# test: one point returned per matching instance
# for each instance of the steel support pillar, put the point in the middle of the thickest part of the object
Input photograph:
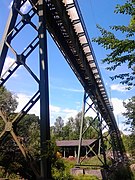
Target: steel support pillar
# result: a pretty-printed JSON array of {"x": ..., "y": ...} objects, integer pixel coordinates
[
  {"x": 81, "y": 129},
  {"x": 98, "y": 130},
  {"x": 14, "y": 26},
  {"x": 44, "y": 93},
  {"x": 101, "y": 139}
]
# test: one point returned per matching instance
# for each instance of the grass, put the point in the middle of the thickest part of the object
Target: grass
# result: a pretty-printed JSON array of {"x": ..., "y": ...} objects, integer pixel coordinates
[
  {"x": 85, "y": 177},
  {"x": 94, "y": 161},
  {"x": 64, "y": 173}
]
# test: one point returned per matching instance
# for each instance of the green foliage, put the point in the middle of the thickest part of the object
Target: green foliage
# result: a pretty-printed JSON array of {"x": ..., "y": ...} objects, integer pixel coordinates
[
  {"x": 127, "y": 8},
  {"x": 121, "y": 50},
  {"x": 71, "y": 130},
  {"x": 2, "y": 172},
  {"x": 61, "y": 170},
  {"x": 28, "y": 128},
  {"x": 58, "y": 127},
  {"x": 122, "y": 172},
  {"x": 92, "y": 127},
  {"x": 8, "y": 102},
  {"x": 8, "y": 105},
  {"x": 11, "y": 157},
  {"x": 130, "y": 113},
  {"x": 129, "y": 143}
]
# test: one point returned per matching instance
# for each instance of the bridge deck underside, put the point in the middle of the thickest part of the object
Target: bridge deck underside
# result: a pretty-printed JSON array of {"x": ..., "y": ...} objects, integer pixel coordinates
[
  {"x": 62, "y": 31},
  {"x": 71, "y": 38},
  {"x": 61, "y": 24}
]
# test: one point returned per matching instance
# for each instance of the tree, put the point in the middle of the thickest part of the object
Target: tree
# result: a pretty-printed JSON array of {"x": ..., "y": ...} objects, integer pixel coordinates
[
  {"x": 68, "y": 129},
  {"x": 76, "y": 124},
  {"x": 71, "y": 130},
  {"x": 130, "y": 113},
  {"x": 122, "y": 50},
  {"x": 89, "y": 124},
  {"x": 129, "y": 143},
  {"x": 8, "y": 105},
  {"x": 27, "y": 132},
  {"x": 59, "y": 124},
  {"x": 92, "y": 128},
  {"x": 8, "y": 102},
  {"x": 28, "y": 129}
]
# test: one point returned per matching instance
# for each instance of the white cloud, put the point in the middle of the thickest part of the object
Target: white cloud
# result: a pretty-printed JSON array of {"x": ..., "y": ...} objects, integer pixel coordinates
[
  {"x": 71, "y": 111},
  {"x": 24, "y": 8},
  {"x": 66, "y": 113},
  {"x": 72, "y": 90},
  {"x": 8, "y": 62},
  {"x": 124, "y": 128},
  {"x": 69, "y": 89},
  {"x": 118, "y": 106},
  {"x": 55, "y": 111},
  {"x": 22, "y": 101},
  {"x": 118, "y": 87}
]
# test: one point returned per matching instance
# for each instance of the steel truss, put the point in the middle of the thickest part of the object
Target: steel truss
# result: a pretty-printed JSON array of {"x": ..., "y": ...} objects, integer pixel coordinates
[
  {"x": 56, "y": 16},
  {"x": 98, "y": 124},
  {"x": 16, "y": 23}
]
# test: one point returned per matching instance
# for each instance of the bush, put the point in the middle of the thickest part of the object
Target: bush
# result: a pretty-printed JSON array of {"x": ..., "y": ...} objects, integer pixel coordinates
[
  {"x": 61, "y": 170},
  {"x": 121, "y": 172}
]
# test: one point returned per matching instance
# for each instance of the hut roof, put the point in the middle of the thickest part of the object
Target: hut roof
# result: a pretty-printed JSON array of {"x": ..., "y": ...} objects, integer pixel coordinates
[{"x": 65, "y": 143}]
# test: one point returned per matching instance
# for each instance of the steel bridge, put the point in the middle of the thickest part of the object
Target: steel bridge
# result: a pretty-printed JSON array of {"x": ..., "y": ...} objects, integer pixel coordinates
[{"x": 63, "y": 20}]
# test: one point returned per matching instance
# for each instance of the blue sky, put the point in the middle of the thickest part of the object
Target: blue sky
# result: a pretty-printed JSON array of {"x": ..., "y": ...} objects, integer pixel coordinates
[{"x": 66, "y": 92}]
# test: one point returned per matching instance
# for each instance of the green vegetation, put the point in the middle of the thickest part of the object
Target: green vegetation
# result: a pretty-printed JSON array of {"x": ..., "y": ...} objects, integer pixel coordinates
[
  {"x": 85, "y": 177},
  {"x": 129, "y": 143},
  {"x": 8, "y": 102},
  {"x": 28, "y": 133},
  {"x": 63, "y": 173},
  {"x": 121, "y": 172},
  {"x": 71, "y": 129},
  {"x": 121, "y": 45},
  {"x": 130, "y": 113},
  {"x": 12, "y": 162},
  {"x": 94, "y": 161},
  {"x": 61, "y": 170}
]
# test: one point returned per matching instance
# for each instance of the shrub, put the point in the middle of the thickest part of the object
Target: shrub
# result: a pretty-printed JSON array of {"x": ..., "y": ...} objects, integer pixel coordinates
[
  {"x": 121, "y": 172},
  {"x": 61, "y": 170}
]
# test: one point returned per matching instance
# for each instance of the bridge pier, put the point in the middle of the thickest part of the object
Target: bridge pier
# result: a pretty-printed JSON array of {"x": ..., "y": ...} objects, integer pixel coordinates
[{"x": 44, "y": 92}]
